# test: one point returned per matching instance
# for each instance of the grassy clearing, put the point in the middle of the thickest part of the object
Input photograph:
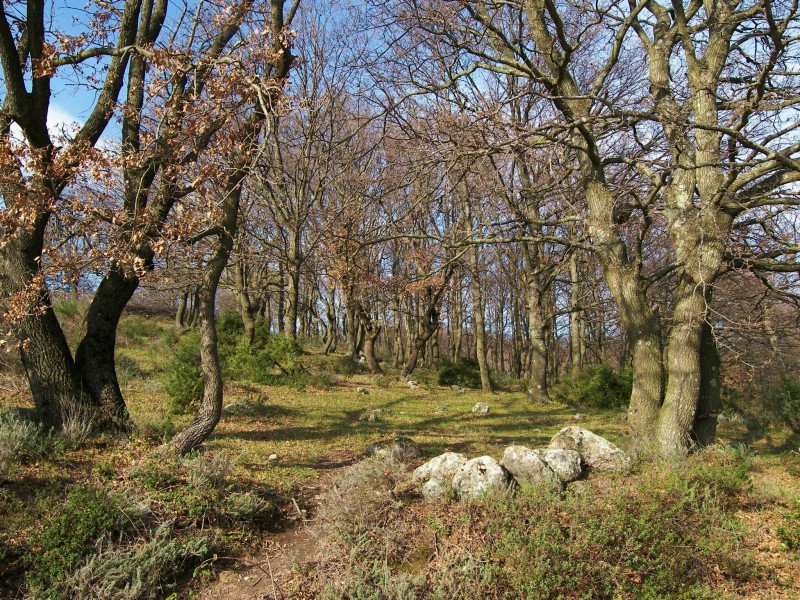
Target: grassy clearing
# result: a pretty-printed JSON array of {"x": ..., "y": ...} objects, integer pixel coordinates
[{"x": 725, "y": 523}]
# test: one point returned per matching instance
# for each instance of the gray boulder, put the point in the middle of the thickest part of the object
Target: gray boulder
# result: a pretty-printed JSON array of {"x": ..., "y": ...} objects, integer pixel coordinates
[
  {"x": 481, "y": 408},
  {"x": 527, "y": 467},
  {"x": 435, "y": 477},
  {"x": 401, "y": 449},
  {"x": 565, "y": 463},
  {"x": 479, "y": 476},
  {"x": 596, "y": 452}
]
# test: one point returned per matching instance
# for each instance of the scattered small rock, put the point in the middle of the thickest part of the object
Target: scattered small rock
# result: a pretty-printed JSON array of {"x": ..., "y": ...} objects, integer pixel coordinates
[
  {"x": 481, "y": 408},
  {"x": 272, "y": 458},
  {"x": 372, "y": 415},
  {"x": 238, "y": 408},
  {"x": 578, "y": 417},
  {"x": 580, "y": 488},
  {"x": 479, "y": 476},
  {"x": 400, "y": 448},
  {"x": 362, "y": 390},
  {"x": 458, "y": 389},
  {"x": 596, "y": 452},
  {"x": 412, "y": 384}
]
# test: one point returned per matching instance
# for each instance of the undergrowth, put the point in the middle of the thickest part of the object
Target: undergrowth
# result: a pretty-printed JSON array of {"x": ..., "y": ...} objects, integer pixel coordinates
[{"x": 666, "y": 534}]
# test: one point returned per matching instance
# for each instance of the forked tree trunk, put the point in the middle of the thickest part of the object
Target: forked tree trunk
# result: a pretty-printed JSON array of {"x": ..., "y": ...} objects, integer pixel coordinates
[
  {"x": 330, "y": 316},
  {"x": 371, "y": 332},
  {"x": 429, "y": 323}
]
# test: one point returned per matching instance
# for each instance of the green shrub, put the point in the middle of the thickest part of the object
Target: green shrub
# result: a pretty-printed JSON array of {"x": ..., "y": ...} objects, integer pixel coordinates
[
  {"x": 127, "y": 366},
  {"x": 788, "y": 394},
  {"x": 88, "y": 518},
  {"x": 464, "y": 372},
  {"x": 159, "y": 471},
  {"x": 183, "y": 377},
  {"x": 138, "y": 329},
  {"x": 67, "y": 308},
  {"x": 158, "y": 427},
  {"x": 348, "y": 365},
  {"x": 147, "y": 570},
  {"x": 260, "y": 362},
  {"x": 596, "y": 386},
  {"x": 21, "y": 441},
  {"x": 789, "y": 532}
]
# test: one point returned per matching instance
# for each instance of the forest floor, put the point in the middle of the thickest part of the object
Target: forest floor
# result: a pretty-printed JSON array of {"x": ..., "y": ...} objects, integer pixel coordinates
[{"x": 319, "y": 432}]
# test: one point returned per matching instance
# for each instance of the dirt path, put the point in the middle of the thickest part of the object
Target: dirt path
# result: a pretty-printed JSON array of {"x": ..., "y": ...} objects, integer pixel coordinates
[{"x": 268, "y": 574}]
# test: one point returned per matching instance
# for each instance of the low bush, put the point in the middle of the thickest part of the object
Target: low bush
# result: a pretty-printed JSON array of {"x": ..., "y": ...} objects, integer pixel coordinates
[
  {"x": 87, "y": 518},
  {"x": 348, "y": 364},
  {"x": 788, "y": 400},
  {"x": 138, "y": 329},
  {"x": 464, "y": 372},
  {"x": 595, "y": 386},
  {"x": 157, "y": 427},
  {"x": 788, "y": 532},
  {"x": 668, "y": 535},
  {"x": 183, "y": 377},
  {"x": 22, "y": 441},
  {"x": 146, "y": 570}
]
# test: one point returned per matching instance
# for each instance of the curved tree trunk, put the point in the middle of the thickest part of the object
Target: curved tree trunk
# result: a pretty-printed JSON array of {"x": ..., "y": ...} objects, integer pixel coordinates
[
  {"x": 211, "y": 405},
  {"x": 640, "y": 322}
]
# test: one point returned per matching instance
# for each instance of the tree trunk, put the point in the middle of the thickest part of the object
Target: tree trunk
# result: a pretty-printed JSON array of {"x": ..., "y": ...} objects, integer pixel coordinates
[
  {"x": 478, "y": 321},
  {"x": 53, "y": 378},
  {"x": 537, "y": 376},
  {"x": 704, "y": 428},
  {"x": 96, "y": 351},
  {"x": 330, "y": 315},
  {"x": 293, "y": 266},
  {"x": 575, "y": 321},
  {"x": 281, "y": 297},
  {"x": 371, "y": 330},
  {"x": 429, "y": 323},
  {"x": 180, "y": 314},
  {"x": 640, "y": 321},
  {"x": 211, "y": 404},
  {"x": 398, "y": 356},
  {"x": 247, "y": 310},
  {"x": 458, "y": 322}
]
